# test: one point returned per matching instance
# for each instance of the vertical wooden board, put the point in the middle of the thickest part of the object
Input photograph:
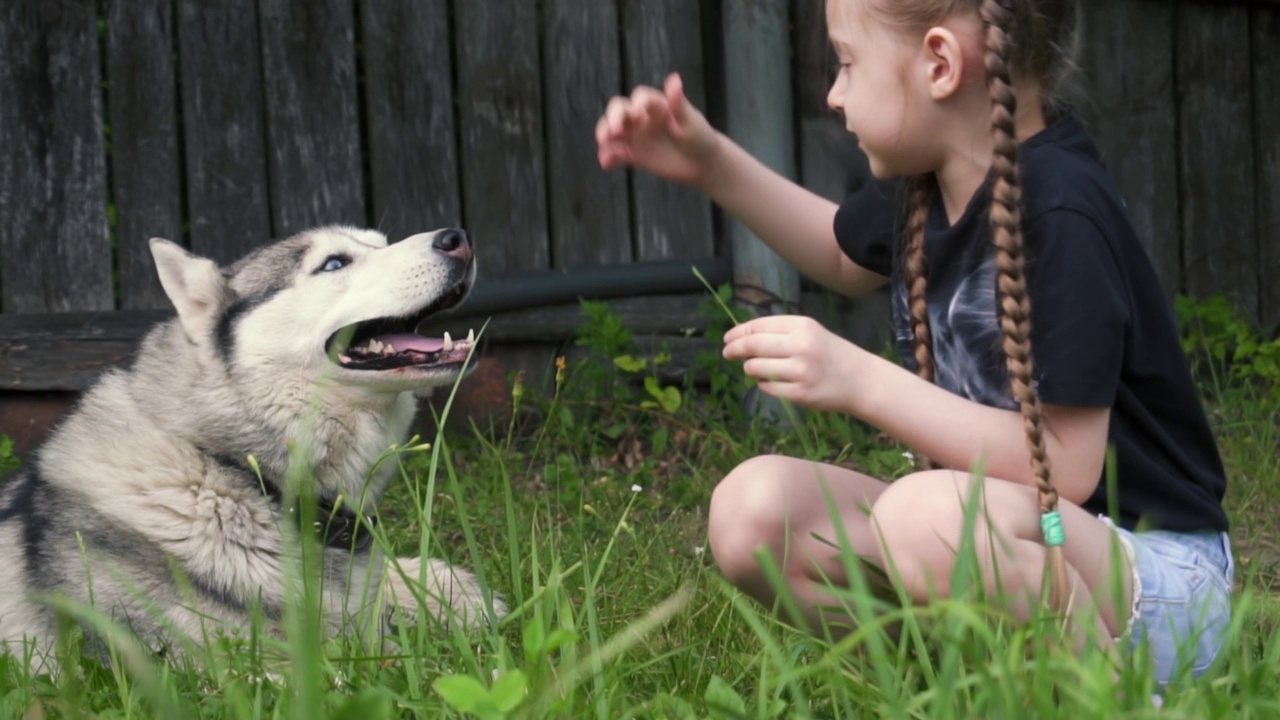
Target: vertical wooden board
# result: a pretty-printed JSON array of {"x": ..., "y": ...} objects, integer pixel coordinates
[
  {"x": 1217, "y": 165},
  {"x": 146, "y": 184},
  {"x": 661, "y": 37},
  {"x": 54, "y": 245},
  {"x": 408, "y": 79},
  {"x": 500, "y": 119},
  {"x": 313, "y": 122},
  {"x": 1266, "y": 137},
  {"x": 590, "y": 217},
  {"x": 830, "y": 163},
  {"x": 222, "y": 126},
  {"x": 760, "y": 111},
  {"x": 1128, "y": 63}
]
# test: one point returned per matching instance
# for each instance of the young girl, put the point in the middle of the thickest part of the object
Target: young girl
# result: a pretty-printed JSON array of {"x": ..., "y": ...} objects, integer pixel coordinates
[{"x": 1034, "y": 330}]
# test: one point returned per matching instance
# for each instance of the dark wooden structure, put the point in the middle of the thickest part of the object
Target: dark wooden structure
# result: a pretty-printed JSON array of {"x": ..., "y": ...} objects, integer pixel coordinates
[{"x": 223, "y": 123}]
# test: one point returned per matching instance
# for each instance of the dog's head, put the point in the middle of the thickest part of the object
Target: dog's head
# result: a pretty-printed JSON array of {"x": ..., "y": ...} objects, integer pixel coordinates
[{"x": 331, "y": 303}]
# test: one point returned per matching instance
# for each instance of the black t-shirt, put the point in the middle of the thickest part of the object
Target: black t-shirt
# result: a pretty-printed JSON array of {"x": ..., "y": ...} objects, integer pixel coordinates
[{"x": 1103, "y": 334}]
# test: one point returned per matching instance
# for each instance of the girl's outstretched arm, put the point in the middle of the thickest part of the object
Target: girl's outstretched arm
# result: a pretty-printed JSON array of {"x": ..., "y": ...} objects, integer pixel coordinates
[{"x": 661, "y": 132}]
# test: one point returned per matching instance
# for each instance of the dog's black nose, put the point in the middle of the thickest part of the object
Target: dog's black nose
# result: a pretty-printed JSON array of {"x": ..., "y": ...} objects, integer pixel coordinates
[{"x": 450, "y": 240}]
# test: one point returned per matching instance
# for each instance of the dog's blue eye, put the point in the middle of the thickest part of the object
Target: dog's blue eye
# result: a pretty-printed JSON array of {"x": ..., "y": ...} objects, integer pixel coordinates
[{"x": 335, "y": 262}]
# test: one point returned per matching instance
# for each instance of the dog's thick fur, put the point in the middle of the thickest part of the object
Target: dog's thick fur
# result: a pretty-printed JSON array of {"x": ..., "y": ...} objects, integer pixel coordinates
[{"x": 145, "y": 499}]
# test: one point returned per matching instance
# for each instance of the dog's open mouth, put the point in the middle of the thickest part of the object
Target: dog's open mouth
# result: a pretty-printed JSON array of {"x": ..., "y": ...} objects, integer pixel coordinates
[{"x": 392, "y": 343}]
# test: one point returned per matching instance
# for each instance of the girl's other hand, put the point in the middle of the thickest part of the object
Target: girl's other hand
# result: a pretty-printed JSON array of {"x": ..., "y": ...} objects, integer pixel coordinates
[
  {"x": 659, "y": 132},
  {"x": 798, "y": 360}
]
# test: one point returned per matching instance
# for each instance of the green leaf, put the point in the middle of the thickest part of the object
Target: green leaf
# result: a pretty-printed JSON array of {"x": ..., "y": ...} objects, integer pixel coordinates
[
  {"x": 462, "y": 692},
  {"x": 368, "y": 704},
  {"x": 558, "y": 639},
  {"x": 671, "y": 399},
  {"x": 660, "y": 438},
  {"x": 534, "y": 639},
  {"x": 627, "y": 363},
  {"x": 652, "y": 386},
  {"x": 723, "y": 700},
  {"x": 508, "y": 690}
]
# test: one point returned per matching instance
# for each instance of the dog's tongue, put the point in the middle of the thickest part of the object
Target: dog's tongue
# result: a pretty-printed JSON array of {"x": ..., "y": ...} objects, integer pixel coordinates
[{"x": 416, "y": 343}]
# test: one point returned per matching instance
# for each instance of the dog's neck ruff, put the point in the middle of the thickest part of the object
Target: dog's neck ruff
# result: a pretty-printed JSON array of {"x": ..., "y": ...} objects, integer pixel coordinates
[{"x": 337, "y": 525}]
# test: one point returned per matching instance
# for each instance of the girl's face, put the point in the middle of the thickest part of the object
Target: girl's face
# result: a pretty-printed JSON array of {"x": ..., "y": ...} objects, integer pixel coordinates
[
  {"x": 892, "y": 87},
  {"x": 872, "y": 89}
]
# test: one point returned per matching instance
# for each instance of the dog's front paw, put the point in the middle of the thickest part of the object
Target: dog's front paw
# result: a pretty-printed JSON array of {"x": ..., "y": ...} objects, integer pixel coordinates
[{"x": 451, "y": 594}]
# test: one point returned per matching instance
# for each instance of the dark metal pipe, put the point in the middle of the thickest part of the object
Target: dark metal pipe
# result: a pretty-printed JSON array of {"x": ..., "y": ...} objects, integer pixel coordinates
[{"x": 557, "y": 287}]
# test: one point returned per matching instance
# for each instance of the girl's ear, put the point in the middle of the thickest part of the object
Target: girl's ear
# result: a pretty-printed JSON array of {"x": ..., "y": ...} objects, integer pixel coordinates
[{"x": 944, "y": 62}]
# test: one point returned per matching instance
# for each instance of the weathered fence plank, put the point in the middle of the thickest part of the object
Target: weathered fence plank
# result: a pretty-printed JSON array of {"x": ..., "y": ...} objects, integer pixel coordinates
[
  {"x": 590, "y": 217},
  {"x": 660, "y": 37},
  {"x": 1216, "y": 145},
  {"x": 313, "y": 125},
  {"x": 223, "y": 132},
  {"x": 1266, "y": 138},
  {"x": 53, "y": 184},
  {"x": 146, "y": 169},
  {"x": 67, "y": 351},
  {"x": 830, "y": 163},
  {"x": 1132, "y": 107},
  {"x": 758, "y": 99},
  {"x": 500, "y": 119},
  {"x": 408, "y": 101}
]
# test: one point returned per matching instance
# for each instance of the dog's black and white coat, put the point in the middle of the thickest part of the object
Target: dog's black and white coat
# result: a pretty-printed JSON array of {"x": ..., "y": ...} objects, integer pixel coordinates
[{"x": 162, "y": 497}]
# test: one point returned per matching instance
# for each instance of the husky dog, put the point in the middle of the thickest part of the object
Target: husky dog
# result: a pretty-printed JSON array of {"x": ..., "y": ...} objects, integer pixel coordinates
[{"x": 167, "y": 498}]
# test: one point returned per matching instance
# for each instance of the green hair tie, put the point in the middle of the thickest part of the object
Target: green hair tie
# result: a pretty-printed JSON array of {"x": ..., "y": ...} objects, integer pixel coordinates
[{"x": 1051, "y": 526}]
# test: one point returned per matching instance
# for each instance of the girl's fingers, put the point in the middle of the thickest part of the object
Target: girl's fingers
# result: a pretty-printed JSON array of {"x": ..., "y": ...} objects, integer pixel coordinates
[
  {"x": 616, "y": 116},
  {"x": 761, "y": 325},
  {"x": 771, "y": 370},
  {"x": 673, "y": 91},
  {"x": 759, "y": 345}
]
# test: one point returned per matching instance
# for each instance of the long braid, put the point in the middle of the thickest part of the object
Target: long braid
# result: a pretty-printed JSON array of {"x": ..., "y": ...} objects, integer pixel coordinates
[
  {"x": 915, "y": 277},
  {"x": 1015, "y": 306},
  {"x": 915, "y": 274}
]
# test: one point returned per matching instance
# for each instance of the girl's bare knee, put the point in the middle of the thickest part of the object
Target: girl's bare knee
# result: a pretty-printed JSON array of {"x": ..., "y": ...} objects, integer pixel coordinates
[
  {"x": 918, "y": 521},
  {"x": 747, "y": 512}
]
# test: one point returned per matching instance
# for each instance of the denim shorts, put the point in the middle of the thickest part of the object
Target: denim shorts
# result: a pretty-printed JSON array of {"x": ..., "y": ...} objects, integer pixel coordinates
[{"x": 1181, "y": 597}]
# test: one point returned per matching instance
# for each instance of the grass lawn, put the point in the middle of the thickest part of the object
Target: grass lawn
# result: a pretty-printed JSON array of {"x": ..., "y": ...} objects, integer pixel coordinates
[{"x": 589, "y": 517}]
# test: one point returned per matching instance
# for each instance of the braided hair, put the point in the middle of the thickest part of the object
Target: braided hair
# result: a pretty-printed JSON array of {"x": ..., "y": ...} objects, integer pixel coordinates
[{"x": 1035, "y": 39}]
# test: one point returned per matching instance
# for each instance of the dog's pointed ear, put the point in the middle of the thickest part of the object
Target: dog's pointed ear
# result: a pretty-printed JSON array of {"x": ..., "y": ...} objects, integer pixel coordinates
[{"x": 194, "y": 285}]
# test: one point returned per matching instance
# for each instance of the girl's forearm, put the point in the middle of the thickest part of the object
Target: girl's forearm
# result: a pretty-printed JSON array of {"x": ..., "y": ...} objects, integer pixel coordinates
[
  {"x": 959, "y": 433},
  {"x": 792, "y": 220}
]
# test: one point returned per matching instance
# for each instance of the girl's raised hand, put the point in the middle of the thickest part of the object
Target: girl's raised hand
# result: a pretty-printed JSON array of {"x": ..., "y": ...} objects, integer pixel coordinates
[
  {"x": 659, "y": 132},
  {"x": 798, "y": 360}
]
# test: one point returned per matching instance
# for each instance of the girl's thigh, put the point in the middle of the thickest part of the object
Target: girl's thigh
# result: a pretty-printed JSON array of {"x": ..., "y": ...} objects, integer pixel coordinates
[
  {"x": 798, "y": 509},
  {"x": 931, "y": 507}
]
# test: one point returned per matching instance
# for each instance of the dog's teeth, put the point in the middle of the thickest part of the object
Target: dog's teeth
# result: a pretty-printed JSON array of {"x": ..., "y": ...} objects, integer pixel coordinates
[
  {"x": 388, "y": 349},
  {"x": 471, "y": 336},
  {"x": 448, "y": 342}
]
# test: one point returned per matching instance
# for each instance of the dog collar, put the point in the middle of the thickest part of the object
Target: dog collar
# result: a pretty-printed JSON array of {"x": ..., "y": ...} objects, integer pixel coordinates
[{"x": 337, "y": 525}]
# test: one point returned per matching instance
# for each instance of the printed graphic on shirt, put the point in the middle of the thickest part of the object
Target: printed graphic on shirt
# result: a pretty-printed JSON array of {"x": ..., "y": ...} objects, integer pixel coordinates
[{"x": 968, "y": 358}]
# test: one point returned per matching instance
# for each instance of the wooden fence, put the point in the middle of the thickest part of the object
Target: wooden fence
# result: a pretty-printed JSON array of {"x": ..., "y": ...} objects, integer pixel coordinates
[{"x": 222, "y": 123}]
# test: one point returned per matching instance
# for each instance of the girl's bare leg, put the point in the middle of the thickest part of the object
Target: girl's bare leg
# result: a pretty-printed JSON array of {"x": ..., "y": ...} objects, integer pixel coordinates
[{"x": 917, "y": 522}]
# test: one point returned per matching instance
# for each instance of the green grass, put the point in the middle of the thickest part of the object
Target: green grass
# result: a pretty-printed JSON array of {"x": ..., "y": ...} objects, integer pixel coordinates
[{"x": 589, "y": 517}]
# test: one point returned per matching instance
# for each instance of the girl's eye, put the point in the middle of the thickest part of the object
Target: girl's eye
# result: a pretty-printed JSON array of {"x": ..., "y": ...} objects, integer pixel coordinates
[{"x": 334, "y": 263}]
